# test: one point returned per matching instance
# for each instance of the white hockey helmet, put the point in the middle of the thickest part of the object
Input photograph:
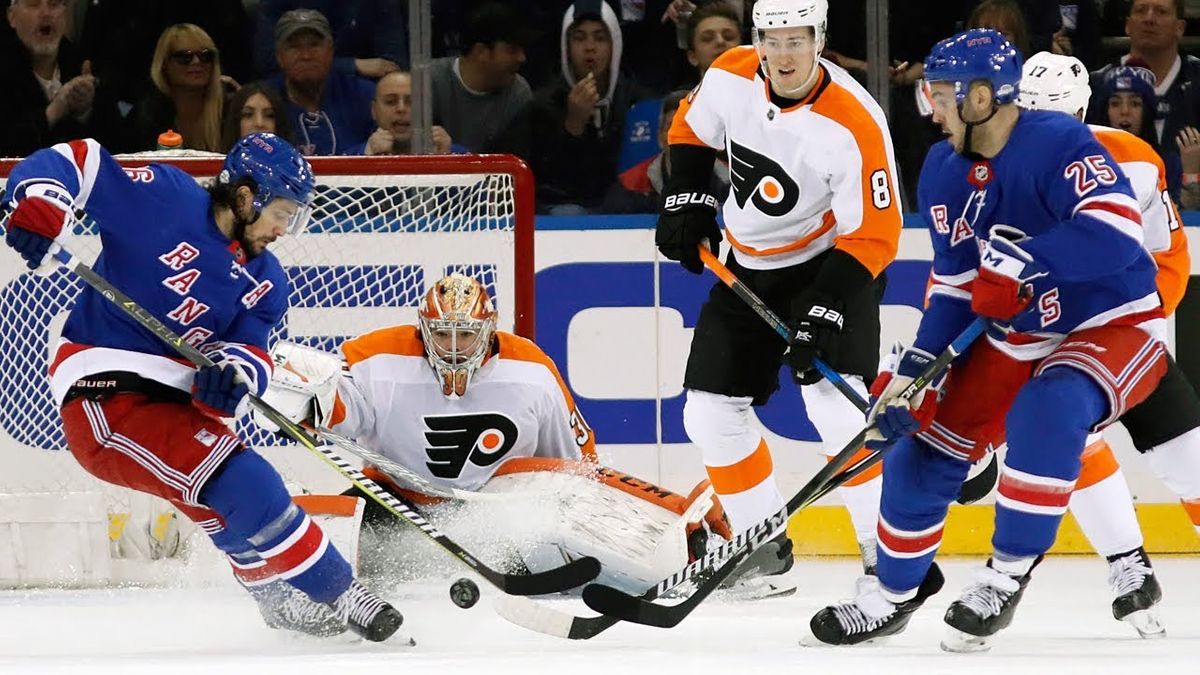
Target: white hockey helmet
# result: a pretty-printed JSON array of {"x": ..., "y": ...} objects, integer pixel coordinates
[
  {"x": 457, "y": 321},
  {"x": 1054, "y": 82},
  {"x": 769, "y": 14}
]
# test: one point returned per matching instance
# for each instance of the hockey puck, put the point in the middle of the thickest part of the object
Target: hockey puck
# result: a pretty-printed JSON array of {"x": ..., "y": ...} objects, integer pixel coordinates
[{"x": 464, "y": 593}]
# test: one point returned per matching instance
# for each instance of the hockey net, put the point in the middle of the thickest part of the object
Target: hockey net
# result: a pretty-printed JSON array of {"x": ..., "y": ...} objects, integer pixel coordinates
[{"x": 382, "y": 229}]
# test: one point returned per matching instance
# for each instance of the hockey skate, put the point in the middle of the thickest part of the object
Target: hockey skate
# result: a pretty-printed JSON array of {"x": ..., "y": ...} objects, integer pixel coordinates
[
  {"x": 758, "y": 577},
  {"x": 368, "y": 615},
  {"x": 285, "y": 607},
  {"x": 1137, "y": 592},
  {"x": 985, "y": 608},
  {"x": 870, "y": 617}
]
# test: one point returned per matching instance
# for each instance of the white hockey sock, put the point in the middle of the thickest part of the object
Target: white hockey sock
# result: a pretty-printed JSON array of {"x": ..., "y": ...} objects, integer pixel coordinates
[
  {"x": 1105, "y": 513},
  {"x": 862, "y": 501},
  {"x": 1177, "y": 463}
]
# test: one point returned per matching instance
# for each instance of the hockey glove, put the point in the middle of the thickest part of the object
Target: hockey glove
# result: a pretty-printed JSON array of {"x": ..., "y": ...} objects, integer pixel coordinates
[
  {"x": 219, "y": 389},
  {"x": 34, "y": 225},
  {"x": 815, "y": 334},
  {"x": 893, "y": 416},
  {"x": 686, "y": 219},
  {"x": 1003, "y": 289}
]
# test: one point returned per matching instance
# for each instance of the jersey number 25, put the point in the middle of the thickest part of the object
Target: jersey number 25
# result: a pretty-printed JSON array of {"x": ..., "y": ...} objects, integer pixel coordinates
[{"x": 1089, "y": 173}]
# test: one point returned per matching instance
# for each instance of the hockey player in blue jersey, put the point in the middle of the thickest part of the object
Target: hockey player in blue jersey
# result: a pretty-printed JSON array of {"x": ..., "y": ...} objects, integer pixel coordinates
[
  {"x": 1034, "y": 227},
  {"x": 136, "y": 415}
]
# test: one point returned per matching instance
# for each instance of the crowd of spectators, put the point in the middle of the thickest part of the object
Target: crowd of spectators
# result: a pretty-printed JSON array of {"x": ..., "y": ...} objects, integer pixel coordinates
[{"x": 583, "y": 90}]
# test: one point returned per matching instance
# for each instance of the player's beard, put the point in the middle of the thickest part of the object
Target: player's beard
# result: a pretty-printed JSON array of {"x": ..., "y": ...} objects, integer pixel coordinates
[{"x": 240, "y": 224}]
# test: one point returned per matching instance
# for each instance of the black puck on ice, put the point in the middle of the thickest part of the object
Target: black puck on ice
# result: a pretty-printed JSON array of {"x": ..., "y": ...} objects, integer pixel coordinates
[{"x": 464, "y": 593}]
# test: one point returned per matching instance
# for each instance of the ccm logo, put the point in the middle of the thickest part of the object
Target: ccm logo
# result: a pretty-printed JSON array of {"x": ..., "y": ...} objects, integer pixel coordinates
[
  {"x": 819, "y": 312},
  {"x": 678, "y": 201}
]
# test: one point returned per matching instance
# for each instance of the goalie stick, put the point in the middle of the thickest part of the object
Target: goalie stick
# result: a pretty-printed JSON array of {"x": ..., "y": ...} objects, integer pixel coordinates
[
  {"x": 617, "y": 604},
  {"x": 573, "y": 574}
]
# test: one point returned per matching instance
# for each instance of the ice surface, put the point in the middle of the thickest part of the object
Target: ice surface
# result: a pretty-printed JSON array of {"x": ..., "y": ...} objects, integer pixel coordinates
[{"x": 1063, "y": 626}]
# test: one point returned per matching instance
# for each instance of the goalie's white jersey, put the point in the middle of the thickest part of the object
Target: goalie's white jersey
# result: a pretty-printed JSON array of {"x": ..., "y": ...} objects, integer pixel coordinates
[
  {"x": 816, "y": 175},
  {"x": 516, "y": 406}
]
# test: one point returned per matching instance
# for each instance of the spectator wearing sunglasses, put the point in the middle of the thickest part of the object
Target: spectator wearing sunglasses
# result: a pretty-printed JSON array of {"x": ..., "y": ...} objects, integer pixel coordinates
[
  {"x": 48, "y": 90},
  {"x": 188, "y": 92},
  {"x": 329, "y": 110}
]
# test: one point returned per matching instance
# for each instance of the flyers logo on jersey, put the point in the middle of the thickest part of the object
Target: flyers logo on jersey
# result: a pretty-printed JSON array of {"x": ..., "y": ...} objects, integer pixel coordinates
[
  {"x": 479, "y": 438},
  {"x": 762, "y": 181}
]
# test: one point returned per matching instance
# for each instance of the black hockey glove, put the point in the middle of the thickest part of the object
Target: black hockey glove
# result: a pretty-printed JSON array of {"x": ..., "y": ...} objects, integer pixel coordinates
[
  {"x": 689, "y": 212},
  {"x": 814, "y": 335},
  {"x": 686, "y": 219}
]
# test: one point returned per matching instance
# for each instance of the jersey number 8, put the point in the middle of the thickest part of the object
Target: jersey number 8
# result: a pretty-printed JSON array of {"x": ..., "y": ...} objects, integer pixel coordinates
[{"x": 881, "y": 189}]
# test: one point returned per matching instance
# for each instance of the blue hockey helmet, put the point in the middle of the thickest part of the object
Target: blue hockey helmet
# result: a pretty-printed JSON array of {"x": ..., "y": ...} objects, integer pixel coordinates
[
  {"x": 277, "y": 169},
  {"x": 979, "y": 54}
]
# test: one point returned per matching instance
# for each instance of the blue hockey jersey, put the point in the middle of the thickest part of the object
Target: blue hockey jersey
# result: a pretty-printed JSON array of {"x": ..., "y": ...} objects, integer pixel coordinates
[
  {"x": 161, "y": 247},
  {"x": 1054, "y": 182}
]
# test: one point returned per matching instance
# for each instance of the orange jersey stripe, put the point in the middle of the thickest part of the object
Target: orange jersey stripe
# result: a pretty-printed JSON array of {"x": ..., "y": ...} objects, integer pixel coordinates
[
  {"x": 743, "y": 474},
  {"x": 827, "y": 223},
  {"x": 518, "y": 348},
  {"x": 875, "y": 242},
  {"x": 1192, "y": 507},
  {"x": 741, "y": 61}
]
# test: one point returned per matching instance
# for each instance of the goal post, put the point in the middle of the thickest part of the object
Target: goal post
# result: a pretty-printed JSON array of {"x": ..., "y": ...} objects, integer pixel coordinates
[{"x": 383, "y": 229}]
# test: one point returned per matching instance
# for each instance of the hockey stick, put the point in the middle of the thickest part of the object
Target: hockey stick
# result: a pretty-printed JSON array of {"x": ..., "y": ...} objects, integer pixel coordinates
[
  {"x": 615, "y": 603},
  {"x": 743, "y": 291},
  {"x": 573, "y": 574}
]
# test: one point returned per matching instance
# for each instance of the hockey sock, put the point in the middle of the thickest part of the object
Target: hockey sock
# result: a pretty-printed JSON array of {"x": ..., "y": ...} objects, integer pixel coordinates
[
  {"x": 861, "y": 497},
  {"x": 1102, "y": 504},
  {"x": 1046, "y": 427},
  {"x": 919, "y": 482},
  {"x": 249, "y": 495},
  {"x": 736, "y": 457},
  {"x": 1177, "y": 464}
]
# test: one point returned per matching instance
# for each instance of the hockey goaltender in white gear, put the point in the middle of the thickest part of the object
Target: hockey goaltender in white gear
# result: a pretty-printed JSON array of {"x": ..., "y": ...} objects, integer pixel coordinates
[{"x": 468, "y": 407}]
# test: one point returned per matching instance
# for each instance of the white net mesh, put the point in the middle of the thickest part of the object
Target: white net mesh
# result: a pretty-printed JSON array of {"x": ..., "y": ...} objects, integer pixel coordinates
[{"x": 381, "y": 230}]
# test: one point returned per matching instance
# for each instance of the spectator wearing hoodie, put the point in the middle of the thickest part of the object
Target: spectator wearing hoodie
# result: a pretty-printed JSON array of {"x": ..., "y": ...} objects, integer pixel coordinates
[{"x": 578, "y": 120}]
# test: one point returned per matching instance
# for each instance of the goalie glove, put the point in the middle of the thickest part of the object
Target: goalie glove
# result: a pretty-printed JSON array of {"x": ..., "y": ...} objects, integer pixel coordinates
[{"x": 303, "y": 386}]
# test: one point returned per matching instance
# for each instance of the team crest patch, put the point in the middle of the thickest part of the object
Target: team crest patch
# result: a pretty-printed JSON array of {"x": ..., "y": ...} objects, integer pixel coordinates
[
  {"x": 206, "y": 438},
  {"x": 760, "y": 180}
]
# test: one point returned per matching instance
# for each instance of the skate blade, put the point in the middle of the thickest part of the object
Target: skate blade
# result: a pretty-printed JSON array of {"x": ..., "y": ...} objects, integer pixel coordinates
[
  {"x": 756, "y": 589},
  {"x": 1146, "y": 623},
  {"x": 958, "y": 642},
  {"x": 810, "y": 641}
]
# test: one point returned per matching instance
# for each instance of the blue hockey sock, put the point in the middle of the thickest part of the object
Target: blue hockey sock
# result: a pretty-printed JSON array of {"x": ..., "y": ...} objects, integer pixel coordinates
[{"x": 249, "y": 495}]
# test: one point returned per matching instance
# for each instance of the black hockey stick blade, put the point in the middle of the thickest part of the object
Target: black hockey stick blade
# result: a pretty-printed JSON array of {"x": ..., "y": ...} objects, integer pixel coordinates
[
  {"x": 571, "y": 575},
  {"x": 980, "y": 485}
]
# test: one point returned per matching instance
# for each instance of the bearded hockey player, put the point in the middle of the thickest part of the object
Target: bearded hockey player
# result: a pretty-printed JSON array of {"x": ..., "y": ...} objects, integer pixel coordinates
[
  {"x": 137, "y": 416},
  {"x": 469, "y": 407},
  {"x": 813, "y": 219},
  {"x": 1035, "y": 227}
]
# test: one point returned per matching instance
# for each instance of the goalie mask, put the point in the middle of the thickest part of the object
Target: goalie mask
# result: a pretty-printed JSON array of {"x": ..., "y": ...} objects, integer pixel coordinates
[{"x": 457, "y": 322}]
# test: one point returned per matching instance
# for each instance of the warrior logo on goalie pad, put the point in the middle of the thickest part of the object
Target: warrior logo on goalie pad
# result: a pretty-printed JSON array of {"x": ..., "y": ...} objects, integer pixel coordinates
[{"x": 480, "y": 438}]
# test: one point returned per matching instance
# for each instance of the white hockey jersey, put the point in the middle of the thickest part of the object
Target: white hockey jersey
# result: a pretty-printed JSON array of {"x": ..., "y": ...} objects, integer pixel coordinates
[
  {"x": 517, "y": 405},
  {"x": 815, "y": 175},
  {"x": 1162, "y": 229}
]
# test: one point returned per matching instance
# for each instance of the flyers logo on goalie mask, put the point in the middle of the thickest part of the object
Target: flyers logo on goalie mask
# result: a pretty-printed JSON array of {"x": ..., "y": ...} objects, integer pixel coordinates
[
  {"x": 479, "y": 438},
  {"x": 762, "y": 181}
]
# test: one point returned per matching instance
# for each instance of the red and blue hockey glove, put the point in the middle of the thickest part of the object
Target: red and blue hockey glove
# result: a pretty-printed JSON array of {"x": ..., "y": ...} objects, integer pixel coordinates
[
  {"x": 894, "y": 416},
  {"x": 219, "y": 389},
  {"x": 815, "y": 334},
  {"x": 1003, "y": 289},
  {"x": 34, "y": 225}
]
